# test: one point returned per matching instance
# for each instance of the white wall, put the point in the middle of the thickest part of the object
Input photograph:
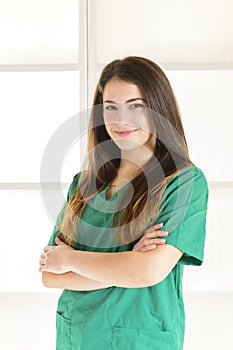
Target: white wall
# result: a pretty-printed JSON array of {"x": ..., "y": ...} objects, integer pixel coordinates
[{"x": 48, "y": 71}]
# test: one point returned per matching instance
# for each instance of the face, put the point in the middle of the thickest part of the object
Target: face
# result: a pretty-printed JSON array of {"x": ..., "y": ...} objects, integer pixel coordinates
[{"x": 126, "y": 116}]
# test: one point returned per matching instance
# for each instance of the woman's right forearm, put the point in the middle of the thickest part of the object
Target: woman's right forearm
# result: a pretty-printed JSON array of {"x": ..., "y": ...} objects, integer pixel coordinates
[{"x": 71, "y": 281}]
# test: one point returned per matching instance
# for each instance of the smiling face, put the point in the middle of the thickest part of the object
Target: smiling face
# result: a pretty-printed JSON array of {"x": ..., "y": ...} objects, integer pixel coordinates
[{"x": 126, "y": 116}]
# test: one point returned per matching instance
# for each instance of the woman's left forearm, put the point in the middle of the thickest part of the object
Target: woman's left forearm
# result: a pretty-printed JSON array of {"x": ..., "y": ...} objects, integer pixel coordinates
[
  {"x": 124, "y": 269},
  {"x": 130, "y": 269}
]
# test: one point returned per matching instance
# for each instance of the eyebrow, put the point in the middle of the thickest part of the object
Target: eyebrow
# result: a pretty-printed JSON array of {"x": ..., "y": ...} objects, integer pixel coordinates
[{"x": 131, "y": 100}]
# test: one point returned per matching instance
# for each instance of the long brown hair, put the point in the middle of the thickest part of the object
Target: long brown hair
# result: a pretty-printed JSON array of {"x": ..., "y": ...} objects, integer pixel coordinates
[{"x": 170, "y": 153}]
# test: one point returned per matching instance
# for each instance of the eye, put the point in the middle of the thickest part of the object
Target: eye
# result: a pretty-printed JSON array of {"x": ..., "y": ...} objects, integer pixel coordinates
[
  {"x": 110, "y": 107},
  {"x": 136, "y": 106}
]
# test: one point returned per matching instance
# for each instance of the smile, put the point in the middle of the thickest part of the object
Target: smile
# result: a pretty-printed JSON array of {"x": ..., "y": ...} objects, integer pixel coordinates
[{"x": 125, "y": 132}]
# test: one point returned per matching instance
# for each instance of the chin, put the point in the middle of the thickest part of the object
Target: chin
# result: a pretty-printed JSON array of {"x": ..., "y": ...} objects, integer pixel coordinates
[{"x": 127, "y": 145}]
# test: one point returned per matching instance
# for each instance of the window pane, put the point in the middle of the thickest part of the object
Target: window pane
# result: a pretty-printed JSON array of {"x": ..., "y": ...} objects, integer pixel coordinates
[
  {"x": 168, "y": 31},
  {"x": 39, "y": 31},
  {"x": 26, "y": 230},
  {"x": 33, "y": 105},
  {"x": 217, "y": 268},
  {"x": 205, "y": 99}
]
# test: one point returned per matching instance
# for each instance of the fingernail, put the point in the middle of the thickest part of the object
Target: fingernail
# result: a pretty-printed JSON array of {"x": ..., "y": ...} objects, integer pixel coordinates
[
  {"x": 161, "y": 224},
  {"x": 162, "y": 240}
]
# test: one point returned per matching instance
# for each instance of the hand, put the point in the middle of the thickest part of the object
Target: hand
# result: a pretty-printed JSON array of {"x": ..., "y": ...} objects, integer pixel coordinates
[
  {"x": 150, "y": 239},
  {"x": 55, "y": 259}
]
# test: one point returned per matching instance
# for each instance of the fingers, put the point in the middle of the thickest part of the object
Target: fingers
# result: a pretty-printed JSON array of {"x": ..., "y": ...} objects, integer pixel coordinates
[
  {"x": 144, "y": 248},
  {"x": 41, "y": 265},
  {"x": 156, "y": 241},
  {"x": 154, "y": 234},
  {"x": 43, "y": 258},
  {"x": 148, "y": 244},
  {"x": 154, "y": 231},
  {"x": 48, "y": 248},
  {"x": 154, "y": 227},
  {"x": 152, "y": 237}
]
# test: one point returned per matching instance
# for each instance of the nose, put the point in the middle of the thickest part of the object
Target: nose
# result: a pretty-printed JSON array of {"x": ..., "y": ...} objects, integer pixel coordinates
[{"x": 123, "y": 115}]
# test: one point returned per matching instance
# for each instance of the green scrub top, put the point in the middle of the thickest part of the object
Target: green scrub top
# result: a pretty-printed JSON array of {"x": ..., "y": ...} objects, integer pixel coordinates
[{"x": 146, "y": 318}]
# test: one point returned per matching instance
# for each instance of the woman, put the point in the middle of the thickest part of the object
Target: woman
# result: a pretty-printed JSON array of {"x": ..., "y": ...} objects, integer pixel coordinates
[{"x": 123, "y": 285}]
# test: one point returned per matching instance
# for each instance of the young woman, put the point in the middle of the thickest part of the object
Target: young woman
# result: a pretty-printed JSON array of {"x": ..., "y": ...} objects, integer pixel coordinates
[{"x": 122, "y": 283}]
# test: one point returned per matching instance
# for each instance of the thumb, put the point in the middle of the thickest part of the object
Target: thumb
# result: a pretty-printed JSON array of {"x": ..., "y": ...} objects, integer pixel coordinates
[{"x": 59, "y": 242}]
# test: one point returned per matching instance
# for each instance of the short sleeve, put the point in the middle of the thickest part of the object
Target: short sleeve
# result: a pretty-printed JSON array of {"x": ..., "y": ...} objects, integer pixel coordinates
[
  {"x": 71, "y": 191},
  {"x": 183, "y": 211}
]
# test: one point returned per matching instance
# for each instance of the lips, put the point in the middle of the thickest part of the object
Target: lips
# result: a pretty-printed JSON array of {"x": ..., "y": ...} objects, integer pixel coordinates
[{"x": 125, "y": 132}]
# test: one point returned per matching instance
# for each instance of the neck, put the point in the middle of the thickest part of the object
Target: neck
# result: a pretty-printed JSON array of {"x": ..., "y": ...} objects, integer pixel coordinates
[{"x": 135, "y": 158}]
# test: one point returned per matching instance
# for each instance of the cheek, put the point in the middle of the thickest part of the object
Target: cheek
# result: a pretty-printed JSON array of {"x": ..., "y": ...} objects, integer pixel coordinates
[
  {"x": 147, "y": 134},
  {"x": 107, "y": 121},
  {"x": 144, "y": 137},
  {"x": 107, "y": 126},
  {"x": 145, "y": 123}
]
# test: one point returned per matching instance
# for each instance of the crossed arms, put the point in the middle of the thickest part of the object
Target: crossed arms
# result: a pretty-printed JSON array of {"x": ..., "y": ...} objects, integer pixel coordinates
[{"x": 147, "y": 264}]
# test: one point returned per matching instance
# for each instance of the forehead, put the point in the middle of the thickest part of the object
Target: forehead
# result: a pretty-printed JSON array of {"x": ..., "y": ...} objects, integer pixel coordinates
[{"x": 120, "y": 91}]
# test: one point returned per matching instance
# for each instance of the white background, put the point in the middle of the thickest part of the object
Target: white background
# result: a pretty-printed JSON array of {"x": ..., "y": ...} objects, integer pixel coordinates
[{"x": 51, "y": 54}]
